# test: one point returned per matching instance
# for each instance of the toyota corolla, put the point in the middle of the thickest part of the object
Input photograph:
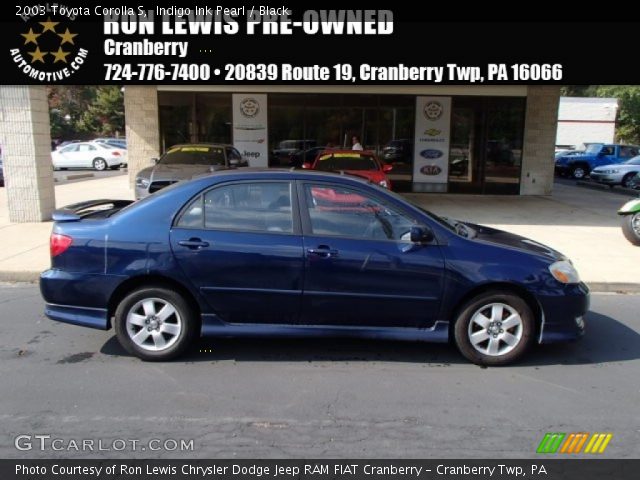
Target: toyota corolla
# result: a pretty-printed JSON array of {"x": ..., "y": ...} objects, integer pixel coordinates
[{"x": 303, "y": 253}]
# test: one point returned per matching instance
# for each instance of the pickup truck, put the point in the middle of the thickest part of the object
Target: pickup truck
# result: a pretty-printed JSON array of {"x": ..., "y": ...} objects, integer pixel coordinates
[{"x": 579, "y": 165}]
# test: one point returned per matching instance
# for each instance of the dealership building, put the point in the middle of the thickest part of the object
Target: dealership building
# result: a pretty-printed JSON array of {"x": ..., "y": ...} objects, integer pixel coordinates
[{"x": 485, "y": 140}]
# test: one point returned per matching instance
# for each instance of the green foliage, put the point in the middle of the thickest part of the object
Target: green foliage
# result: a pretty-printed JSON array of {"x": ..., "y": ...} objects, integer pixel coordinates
[
  {"x": 628, "y": 122},
  {"x": 78, "y": 112}
]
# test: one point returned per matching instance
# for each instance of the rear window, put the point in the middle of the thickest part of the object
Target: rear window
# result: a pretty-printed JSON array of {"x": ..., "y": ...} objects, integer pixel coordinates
[
  {"x": 196, "y": 155},
  {"x": 346, "y": 161}
]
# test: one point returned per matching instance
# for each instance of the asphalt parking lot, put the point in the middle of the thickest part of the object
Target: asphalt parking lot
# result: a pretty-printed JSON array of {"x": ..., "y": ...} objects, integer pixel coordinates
[{"x": 314, "y": 398}]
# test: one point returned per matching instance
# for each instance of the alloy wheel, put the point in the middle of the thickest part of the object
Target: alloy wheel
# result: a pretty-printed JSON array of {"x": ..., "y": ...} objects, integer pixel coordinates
[
  {"x": 495, "y": 329},
  {"x": 153, "y": 324}
]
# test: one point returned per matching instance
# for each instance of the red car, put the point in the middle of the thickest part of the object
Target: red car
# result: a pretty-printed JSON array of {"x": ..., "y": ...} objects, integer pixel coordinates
[{"x": 362, "y": 163}]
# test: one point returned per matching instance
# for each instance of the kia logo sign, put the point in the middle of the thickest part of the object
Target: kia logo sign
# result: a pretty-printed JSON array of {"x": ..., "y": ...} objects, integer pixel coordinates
[
  {"x": 431, "y": 170},
  {"x": 431, "y": 153}
]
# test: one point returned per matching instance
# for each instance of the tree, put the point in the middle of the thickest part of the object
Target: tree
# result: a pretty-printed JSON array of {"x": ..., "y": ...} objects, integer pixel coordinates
[
  {"x": 85, "y": 111},
  {"x": 105, "y": 115}
]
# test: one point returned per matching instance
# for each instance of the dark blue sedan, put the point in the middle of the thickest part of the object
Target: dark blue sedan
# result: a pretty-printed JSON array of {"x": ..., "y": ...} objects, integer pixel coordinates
[{"x": 294, "y": 253}]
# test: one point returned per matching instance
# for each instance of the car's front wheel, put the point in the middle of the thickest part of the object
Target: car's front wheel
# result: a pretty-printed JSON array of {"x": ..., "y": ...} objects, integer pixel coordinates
[
  {"x": 155, "y": 324},
  {"x": 627, "y": 180},
  {"x": 579, "y": 172},
  {"x": 494, "y": 328}
]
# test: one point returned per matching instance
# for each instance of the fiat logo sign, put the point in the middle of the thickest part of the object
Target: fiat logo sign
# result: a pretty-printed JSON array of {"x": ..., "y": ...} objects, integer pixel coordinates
[
  {"x": 431, "y": 153},
  {"x": 431, "y": 170}
]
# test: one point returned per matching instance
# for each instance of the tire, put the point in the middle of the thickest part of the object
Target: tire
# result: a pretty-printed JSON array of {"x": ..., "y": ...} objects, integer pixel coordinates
[
  {"x": 100, "y": 164},
  {"x": 144, "y": 331},
  {"x": 492, "y": 309},
  {"x": 627, "y": 180},
  {"x": 579, "y": 172},
  {"x": 631, "y": 228}
]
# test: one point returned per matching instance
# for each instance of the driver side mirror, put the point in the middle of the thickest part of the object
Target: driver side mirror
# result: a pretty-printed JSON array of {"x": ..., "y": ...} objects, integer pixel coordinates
[
  {"x": 387, "y": 168},
  {"x": 306, "y": 165},
  {"x": 155, "y": 160},
  {"x": 234, "y": 162},
  {"x": 421, "y": 235}
]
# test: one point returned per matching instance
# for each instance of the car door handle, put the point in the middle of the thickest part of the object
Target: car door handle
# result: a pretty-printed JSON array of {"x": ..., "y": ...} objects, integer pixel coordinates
[
  {"x": 194, "y": 243},
  {"x": 323, "y": 251}
]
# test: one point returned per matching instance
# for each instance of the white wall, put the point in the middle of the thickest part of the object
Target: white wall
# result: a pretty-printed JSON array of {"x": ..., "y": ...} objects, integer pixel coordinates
[{"x": 582, "y": 119}]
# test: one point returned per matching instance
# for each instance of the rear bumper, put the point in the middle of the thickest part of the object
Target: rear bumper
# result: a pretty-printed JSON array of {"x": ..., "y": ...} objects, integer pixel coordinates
[
  {"x": 82, "y": 316},
  {"x": 564, "y": 314},
  {"x": 78, "y": 298}
]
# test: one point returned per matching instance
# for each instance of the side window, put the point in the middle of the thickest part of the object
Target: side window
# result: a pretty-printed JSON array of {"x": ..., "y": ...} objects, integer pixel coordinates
[
  {"x": 608, "y": 150},
  {"x": 85, "y": 147},
  {"x": 69, "y": 149},
  {"x": 193, "y": 215},
  {"x": 250, "y": 207},
  {"x": 233, "y": 154},
  {"x": 628, "y": 152},
  {"x": 342, "y": 212}
]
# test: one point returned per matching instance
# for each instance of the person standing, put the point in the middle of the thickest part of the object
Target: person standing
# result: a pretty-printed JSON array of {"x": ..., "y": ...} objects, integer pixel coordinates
[{"x": 355, "y": 143}]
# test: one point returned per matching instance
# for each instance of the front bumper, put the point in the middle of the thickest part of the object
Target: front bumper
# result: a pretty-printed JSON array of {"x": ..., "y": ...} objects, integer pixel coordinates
[
  {"x": 607, "y": 178},
  {"x": 562, "y": 169},
  {"x": 563, "y": 313}
]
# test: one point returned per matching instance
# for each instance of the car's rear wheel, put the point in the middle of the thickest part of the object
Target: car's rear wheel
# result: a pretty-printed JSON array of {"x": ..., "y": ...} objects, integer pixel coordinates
[
  {"x": 494, "y": 328},
  {"x": 155, "y": 324},
  {"x": 100, "y": 164},
  {"x": 579, "y": 172},
  {"x": 627, "y": 180}
]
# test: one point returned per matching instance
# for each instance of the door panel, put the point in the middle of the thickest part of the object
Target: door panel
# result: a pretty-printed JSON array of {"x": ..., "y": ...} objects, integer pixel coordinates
[
  {"x": 244, "y": 253},
  {"x": 361, "y": 269}
]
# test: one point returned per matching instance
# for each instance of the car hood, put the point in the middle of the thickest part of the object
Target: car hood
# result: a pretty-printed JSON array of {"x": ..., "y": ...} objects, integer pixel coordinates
[
  {"x": 172, "y": 172},
  {"x": 506, "y": 239},
  {"x": 573, "y": 158}
]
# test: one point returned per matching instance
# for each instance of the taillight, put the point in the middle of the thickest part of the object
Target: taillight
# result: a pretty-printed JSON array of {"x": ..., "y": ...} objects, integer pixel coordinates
[
  {"x": 59, "y": 244},
  {"x": 116, "y": 154}
]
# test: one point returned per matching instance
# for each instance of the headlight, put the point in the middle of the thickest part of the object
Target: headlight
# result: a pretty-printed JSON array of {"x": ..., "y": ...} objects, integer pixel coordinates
[
  {"x": 383, "y": 183},
  {"x": 564, "y": 272},
  {"x": 142, "y": 182},
  {"x": 614, "y": 171}
]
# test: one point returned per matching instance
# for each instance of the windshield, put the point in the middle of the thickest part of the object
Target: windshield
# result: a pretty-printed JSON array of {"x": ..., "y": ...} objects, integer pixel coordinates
[
  {"x": 193, "y": 156},
  {"x": 346, "y": 161},
  {"x": 593, "y": 149}
]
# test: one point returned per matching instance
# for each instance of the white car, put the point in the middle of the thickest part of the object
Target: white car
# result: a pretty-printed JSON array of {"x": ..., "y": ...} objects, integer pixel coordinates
[{"x": 88, "y": 155}]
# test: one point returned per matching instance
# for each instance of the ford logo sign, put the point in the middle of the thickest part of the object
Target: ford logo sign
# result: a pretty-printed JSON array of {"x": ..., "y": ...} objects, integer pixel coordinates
[
  {"x": 431, "y": 170},
  {"x": 431, "y": 153}
]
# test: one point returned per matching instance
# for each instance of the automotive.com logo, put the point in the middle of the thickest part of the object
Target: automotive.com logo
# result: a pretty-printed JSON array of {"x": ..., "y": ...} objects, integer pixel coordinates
[
  {"x": 47, "y": 50},
  {"x": 574, "y": 443}
]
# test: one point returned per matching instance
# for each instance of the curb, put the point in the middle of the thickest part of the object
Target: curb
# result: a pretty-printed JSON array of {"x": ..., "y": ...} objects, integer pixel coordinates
[
  {"x": 606, "y": 188},
  {"x": 594, "y": 287},
  {"x": 76, "y": 176},
  {"x": 19, "y": 277}
]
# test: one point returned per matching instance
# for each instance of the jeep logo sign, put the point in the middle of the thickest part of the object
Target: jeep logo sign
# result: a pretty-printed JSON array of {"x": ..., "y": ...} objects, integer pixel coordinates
[
  {"x": 431, "y": 153},
  {"x": 431, "y": 170}
]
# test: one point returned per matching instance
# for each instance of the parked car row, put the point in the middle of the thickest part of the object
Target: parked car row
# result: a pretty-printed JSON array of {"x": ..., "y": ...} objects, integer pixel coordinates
[{"x": 613, "y": 164}]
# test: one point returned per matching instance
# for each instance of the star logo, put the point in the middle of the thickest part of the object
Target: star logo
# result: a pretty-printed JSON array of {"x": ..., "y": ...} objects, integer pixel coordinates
[
  {"x": 37, "y": 55},
  {"x": 31, "y": 37},
  {"x": 60, "y": 55},
  {"x": 67, "y": 37},
  {"x": 49, "y": 25},
  {"x": 48, "y": 50}
]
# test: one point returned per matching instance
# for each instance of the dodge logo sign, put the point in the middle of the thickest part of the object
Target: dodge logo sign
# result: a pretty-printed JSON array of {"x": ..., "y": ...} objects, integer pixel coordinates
[
  {"x": 431, "y": 153},
  {"x": 431, "y": 170}
]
